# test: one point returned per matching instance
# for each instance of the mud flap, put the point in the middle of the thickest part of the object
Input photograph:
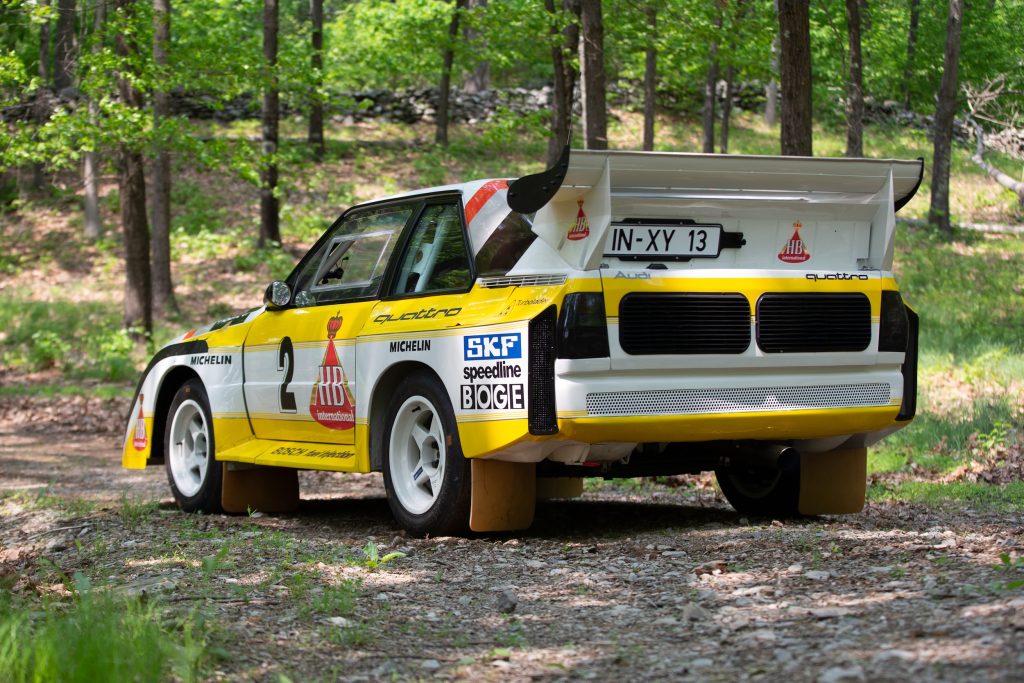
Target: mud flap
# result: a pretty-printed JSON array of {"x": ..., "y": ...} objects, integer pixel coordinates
[
  {"x": 267, "y": 489},
  {"x": 559, "y": 487},
  {"x": 503, "y": 496},
  {"x": 834, "y": 482}
]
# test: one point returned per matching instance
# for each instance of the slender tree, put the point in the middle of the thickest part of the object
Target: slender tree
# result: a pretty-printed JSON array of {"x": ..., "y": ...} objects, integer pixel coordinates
[
  {"x": 270, "y": 219},
  {"x": 479, "y": 79},
  {"x": 711, "y": 86},
  {"x": 730, "y": 76},
  {"x": 316, "y": 105},
  {"x": 138, "y": 311},
  {"x": 90, "y": 159},
  {"x": 444, "y": 90},
  {"x": 563, "y": 44},
  {"x": 650, "y": 76},
  {"x": 39, "y": 106},
  {"x": 592, "y": 77},
  {"x": 795, "y": 75},
  {"x": 771, "y": 91},
  {"x": 908, "y": 68},
  {"x": 945, "y": 109},
  {"x": 64, "y": 46},
  {"x": 160, "y": 195},
  {"x": 855, "y": 89}
]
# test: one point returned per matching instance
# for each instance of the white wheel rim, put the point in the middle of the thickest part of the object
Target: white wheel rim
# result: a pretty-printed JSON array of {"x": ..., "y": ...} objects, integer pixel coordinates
[
  {"x": 417, "y": 455},
  {"x": 190, "y": 448}
]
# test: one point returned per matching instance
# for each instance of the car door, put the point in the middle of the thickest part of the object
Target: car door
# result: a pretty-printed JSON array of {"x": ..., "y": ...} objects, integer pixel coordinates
[{"x": 300, "y": 361}]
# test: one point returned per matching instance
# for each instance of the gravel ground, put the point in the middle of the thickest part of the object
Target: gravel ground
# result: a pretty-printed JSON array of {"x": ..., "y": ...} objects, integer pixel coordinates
[{"x": 631, "y": 582}]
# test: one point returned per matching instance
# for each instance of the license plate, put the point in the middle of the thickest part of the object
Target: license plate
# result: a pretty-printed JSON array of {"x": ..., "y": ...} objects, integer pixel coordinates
[{"x": 664, "y": 242}]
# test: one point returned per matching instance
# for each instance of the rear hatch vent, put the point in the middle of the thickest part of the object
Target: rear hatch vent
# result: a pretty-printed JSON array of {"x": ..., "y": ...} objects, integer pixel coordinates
[
  {"x": 802, "y": 323},
  {"x": 684, "y": 323}
]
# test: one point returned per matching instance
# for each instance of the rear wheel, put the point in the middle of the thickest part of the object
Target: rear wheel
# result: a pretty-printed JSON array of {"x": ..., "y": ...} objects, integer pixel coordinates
[
  {"x": 763, "y": 491},
  {"x": 194, "y": 474},
  {"x": 425, "y": 474}
]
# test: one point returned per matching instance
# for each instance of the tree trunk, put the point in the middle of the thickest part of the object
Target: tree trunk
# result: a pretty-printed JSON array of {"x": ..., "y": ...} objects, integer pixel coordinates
[
  {"x": 855, "y": 91},
  {"x": 795, "y": 74},
  {"x": 650, "y": 78},
  {"x": 479, "y": 79},
  {"x": 592, "y": 77},
  {"x": 938, "y": 212},
  {"x": 316, "y": 105},
  {"x": 38, "y": 180},
  {"x": 163, "y": 284},
  {"x": 138, "y": 311},
  {"x": 730, "y": 75},
  {"x": 564, "y": 80},
  {"x": 771, "y": 91},
  {"x": 64, "y": 45},
  {"x": 444, "y": 90},
  {"x": 908, "y": 68},
  {"x": 710, "y": 89},
  {"x": 91, "y": 160},
  {"x": 270, "y": 220}
]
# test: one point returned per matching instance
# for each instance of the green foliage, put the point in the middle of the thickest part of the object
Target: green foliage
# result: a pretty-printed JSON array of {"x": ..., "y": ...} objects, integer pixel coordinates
[
  {"x": 99, "y": 637},
  {"x": 372, "y": 559},
  {"x": 84, "y": 340},
  {"x": 1008, "y": 565},
  {"x": 955, "y": 495}
]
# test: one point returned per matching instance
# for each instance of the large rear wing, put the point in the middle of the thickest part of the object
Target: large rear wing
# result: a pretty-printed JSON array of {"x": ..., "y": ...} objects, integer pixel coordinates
[{"x": 573, "y": 199}]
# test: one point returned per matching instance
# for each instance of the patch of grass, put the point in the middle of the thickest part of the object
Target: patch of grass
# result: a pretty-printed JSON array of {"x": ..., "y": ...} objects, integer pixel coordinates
[
  {"x": 42, "y": 499},
  {"x": 99, "y": 637},
  {"x": 84, "y": 340},
  {"x": 937, "y": 443},
  {"x": 134, "y": 512},
  {"x": 984, "y": 497}
]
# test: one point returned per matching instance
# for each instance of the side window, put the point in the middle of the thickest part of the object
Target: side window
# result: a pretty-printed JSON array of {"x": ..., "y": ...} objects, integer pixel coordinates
[
  {"x": 351, "y": 263},
  {"x": 503, "y": 247},
  {"x": 436, "y": 258}
]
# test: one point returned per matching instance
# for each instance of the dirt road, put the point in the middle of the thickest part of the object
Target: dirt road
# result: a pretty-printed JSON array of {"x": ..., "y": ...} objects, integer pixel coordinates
[{"x": 641, "y": 582}]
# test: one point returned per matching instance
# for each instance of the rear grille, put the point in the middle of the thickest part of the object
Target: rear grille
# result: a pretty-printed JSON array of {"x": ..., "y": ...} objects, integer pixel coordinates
[
  {"x": 800, "y": 323},
  {"x": 684, "y": 323}
]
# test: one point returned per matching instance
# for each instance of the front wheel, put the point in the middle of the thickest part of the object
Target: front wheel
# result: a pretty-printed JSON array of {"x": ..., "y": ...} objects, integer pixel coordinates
[
  {"x": 425, "y": 474},
  {"x": 193, "y": 472}
]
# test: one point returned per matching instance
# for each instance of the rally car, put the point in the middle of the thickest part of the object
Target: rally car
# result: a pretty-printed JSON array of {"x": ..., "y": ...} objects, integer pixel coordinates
[{"x": 620, "y": 314}]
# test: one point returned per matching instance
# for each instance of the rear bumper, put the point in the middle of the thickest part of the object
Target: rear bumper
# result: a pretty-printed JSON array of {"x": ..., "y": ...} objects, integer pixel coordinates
[{"x": 644, "y": 406}]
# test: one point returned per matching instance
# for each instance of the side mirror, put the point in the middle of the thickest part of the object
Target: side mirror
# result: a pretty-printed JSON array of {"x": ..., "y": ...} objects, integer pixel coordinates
[{"x": 278, "y": 295}]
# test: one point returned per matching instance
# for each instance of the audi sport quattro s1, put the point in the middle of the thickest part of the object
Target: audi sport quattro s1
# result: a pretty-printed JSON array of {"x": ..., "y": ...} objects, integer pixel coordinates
[{"x": 620, "y": 314}]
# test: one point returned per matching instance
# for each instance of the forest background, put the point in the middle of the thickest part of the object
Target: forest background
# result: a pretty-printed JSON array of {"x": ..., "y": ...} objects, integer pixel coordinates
[{"x": 159, "y": 165}]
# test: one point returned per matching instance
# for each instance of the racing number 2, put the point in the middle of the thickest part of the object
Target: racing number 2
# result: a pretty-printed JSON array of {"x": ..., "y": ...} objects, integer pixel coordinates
[{"x": 286, "y": 363}]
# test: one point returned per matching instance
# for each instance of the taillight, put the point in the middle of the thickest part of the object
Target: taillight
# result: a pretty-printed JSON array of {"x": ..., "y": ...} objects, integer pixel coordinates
[
  {"x": 894, "y": 327},
  {"x": 583, "y": 327}
]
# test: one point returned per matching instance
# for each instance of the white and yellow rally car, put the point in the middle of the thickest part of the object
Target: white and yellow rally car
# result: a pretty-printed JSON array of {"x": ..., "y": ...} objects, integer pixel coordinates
[{"x": 620, "y": 314}]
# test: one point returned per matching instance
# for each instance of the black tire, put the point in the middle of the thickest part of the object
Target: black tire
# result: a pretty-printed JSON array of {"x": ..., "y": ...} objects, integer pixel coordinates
[
  {"x": 427, "y": 480},
  {"x": 195, "y": 476},
  {"x": 763, "y": 491}
]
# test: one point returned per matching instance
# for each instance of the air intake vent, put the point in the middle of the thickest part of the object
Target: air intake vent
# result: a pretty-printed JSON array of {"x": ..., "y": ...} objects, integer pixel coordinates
[
  {"x": 801, "y": 323},
  {"x": 521, "y": 281},
  {"x": 541, "y": 387},
  {"x": 684, "y": 323}
]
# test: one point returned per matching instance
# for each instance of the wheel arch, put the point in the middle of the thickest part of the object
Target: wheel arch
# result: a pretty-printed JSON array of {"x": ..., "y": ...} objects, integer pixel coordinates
[
  {"x": 169, "y": 385},
  {"x": 382, "y": 391}
]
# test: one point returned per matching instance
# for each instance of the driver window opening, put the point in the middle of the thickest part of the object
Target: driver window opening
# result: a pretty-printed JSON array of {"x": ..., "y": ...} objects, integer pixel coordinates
[
  {"x": 436, "y": 258},
  {"x": 352, "y": 263}
]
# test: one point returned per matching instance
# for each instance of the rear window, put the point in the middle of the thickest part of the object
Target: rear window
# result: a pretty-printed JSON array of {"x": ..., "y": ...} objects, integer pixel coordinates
[{"x": 506, "y": 245}]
